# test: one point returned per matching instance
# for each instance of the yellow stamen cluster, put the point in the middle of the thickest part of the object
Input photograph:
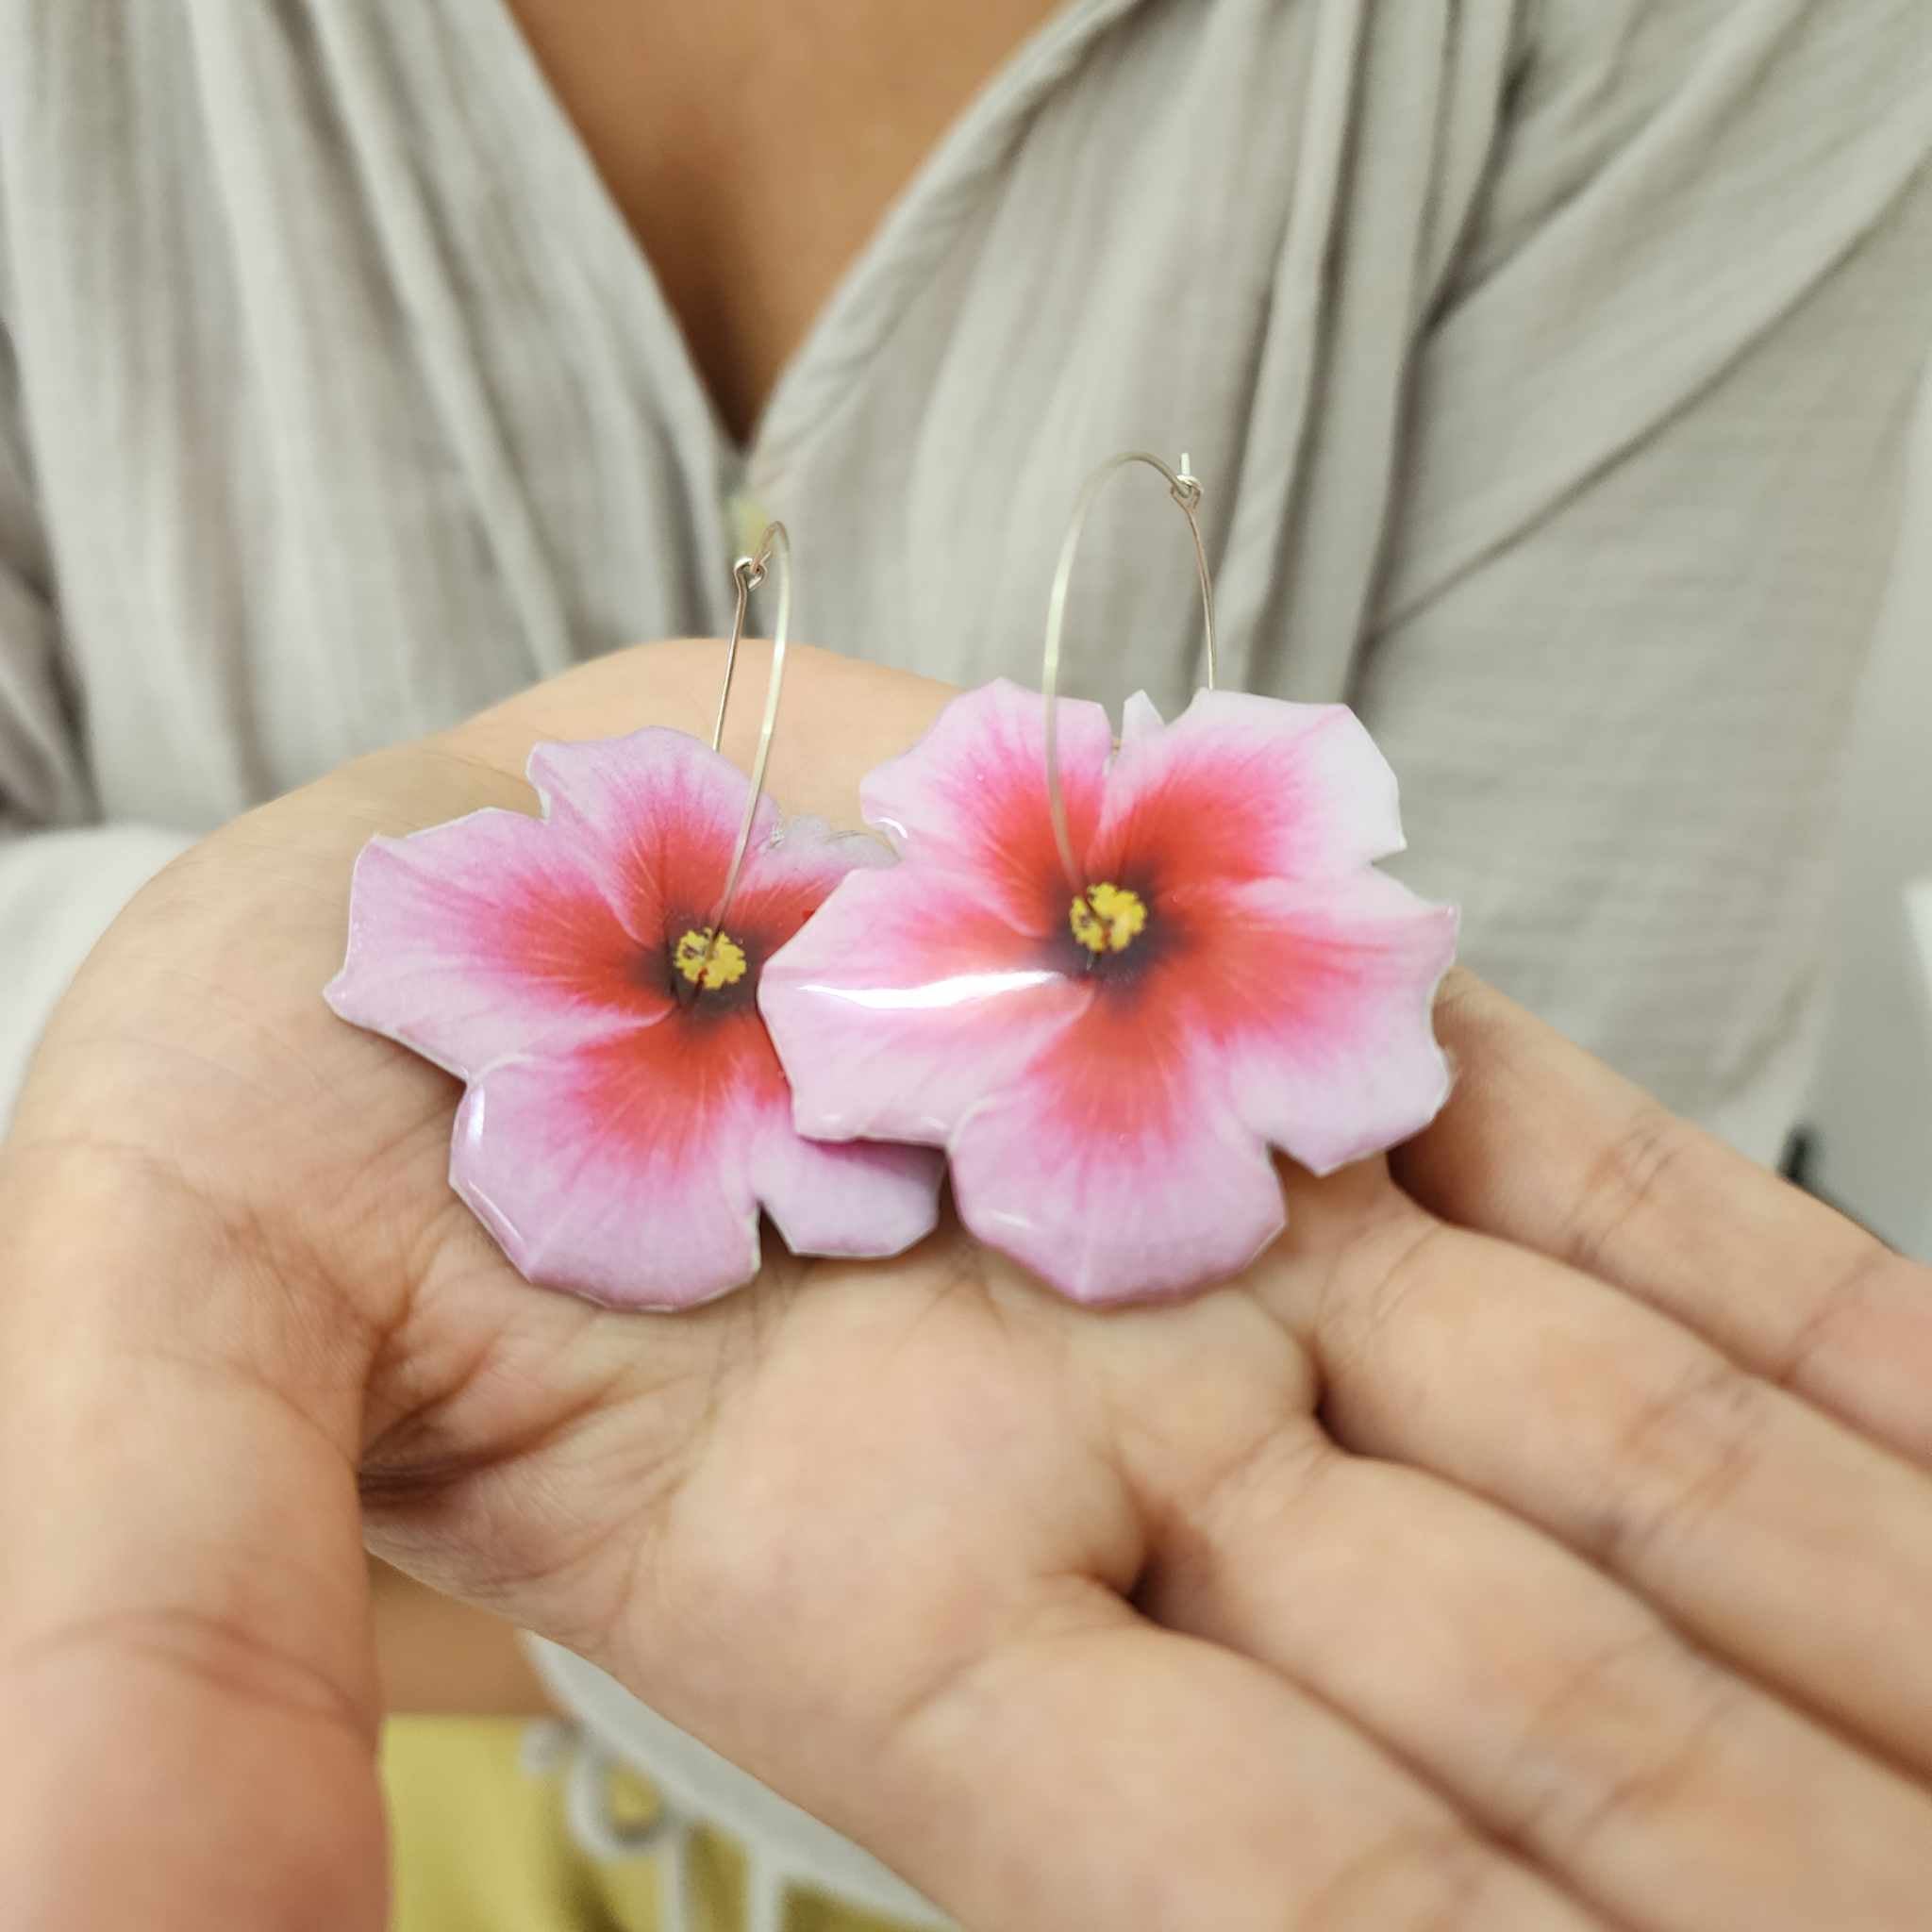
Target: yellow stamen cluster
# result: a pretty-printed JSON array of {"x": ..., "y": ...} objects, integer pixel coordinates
[
  {"x": 1108, "y": 918},
  {"x": 726, "y": 966}
]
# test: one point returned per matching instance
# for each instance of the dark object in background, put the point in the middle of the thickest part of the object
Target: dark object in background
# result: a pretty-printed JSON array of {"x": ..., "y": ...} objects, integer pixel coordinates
[{"x": 1798, "y": 1162}]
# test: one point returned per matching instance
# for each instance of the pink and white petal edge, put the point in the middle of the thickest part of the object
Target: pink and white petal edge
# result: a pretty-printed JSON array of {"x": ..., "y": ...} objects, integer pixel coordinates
[
  {"x": 1372, "y": 1074},
  {"x": 931, "y": 801},
  {"x": 571, "y": 1213},
  {"x": 845, "y": 1200},
  {"x": 895, "y": 1011},
  {"x": 1335, "y": 803},
  {"x": 809, "y": 851},
  {"x": 431, "y": 960},
  {"x": 646, "y": 783},
  {"x": 1181, "y": 1215}
]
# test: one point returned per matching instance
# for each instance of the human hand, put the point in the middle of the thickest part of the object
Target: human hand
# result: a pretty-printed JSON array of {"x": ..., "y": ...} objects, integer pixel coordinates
[{"x": 1535, "y": 1537}]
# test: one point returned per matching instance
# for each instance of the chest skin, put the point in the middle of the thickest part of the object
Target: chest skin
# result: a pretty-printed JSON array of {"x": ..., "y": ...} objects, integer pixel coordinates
[{"x": 753, "y": 146}]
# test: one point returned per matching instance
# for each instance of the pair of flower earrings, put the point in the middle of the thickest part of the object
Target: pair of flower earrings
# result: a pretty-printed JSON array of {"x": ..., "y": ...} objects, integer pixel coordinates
[{"x": 1105, "y": 978}]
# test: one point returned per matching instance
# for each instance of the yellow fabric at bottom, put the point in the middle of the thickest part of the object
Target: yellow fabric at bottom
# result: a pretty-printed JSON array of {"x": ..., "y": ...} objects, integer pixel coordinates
[{"x": 480, "y": 1844}]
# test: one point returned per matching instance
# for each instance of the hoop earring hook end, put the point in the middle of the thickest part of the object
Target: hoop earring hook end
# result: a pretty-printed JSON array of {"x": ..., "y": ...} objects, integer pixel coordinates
[{"x": 747, "y": 574}]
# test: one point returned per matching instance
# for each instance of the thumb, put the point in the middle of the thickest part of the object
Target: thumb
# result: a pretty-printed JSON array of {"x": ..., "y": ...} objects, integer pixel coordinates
[{"x": 186, "y": 1664}]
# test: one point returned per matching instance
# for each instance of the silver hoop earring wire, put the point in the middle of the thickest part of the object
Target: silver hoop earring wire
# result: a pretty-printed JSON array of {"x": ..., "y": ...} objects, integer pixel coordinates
[
  {"x": 747, "y": 574},
  {"x": 1185, "y": 487}
]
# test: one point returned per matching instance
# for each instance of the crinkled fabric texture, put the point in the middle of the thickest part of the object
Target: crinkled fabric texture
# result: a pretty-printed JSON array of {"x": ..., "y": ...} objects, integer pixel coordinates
[
  {"x": 1109, "y": 1103},
  {"x": 621, "y": 1131},
  {"x": 1550, "y": 368}
]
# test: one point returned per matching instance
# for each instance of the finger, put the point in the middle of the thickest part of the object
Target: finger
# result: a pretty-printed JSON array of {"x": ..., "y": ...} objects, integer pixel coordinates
[
  {"x": 1557, "y": 1711},
  {"x": 1543, "y": 1145},
  {"x": 1775, "y": 1535},
  {"x": 184, "y": 1652},
  {"x": 1095, "y": 1771},
  {"x": 945, "y": 1668}
]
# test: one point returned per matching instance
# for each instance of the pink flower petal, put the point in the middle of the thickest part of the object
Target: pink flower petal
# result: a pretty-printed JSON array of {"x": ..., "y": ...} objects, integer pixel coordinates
[
  {"x": 631, "y": 1171},
  {"x": 484, "y": 936},
  {"x": 858, "y": 1198},
  {"x": 1245, "y": 787},
  {"x": 905, "y": 1002},
  {"x": 655, "y": 814},
  {"x": 617, "y": 1142},
  {"x": 970, "y": 796},
  {"x": 1115, "y": 1168},
  {"x": 1108, "y": 1113},
  {"x": 784, "y": 885},
  {"x": 612, "y": 1173},
  {"x": 1318, "y": 997}
]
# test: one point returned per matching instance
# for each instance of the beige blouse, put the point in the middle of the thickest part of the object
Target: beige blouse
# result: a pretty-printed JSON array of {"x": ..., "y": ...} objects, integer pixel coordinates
[{"x": 1549, "y": 366}]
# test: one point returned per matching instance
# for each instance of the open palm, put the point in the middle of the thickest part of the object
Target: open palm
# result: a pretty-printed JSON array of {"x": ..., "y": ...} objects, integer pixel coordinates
[{"x": 1538, "y": 1537}]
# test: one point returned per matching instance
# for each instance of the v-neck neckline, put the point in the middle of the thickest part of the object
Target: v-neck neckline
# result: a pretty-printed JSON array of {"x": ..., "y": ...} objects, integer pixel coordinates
[{"x": 870, "y": 290}]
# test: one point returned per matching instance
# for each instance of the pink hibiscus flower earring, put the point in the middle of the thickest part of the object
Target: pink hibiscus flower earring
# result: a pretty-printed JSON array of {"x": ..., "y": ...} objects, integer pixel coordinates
[
  {"x": 591, "y": 976},
  {"x": 1108, "y": 981}
]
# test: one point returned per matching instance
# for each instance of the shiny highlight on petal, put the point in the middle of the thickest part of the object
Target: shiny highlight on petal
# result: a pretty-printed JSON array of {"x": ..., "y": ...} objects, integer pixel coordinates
[
  {"x": 626, "y": 1118},
  {"x": 1108, "y": 1076}
]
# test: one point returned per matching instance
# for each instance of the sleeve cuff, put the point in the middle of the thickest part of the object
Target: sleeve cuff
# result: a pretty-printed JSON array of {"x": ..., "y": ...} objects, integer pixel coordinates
[{"x": 58, "y": 894}]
